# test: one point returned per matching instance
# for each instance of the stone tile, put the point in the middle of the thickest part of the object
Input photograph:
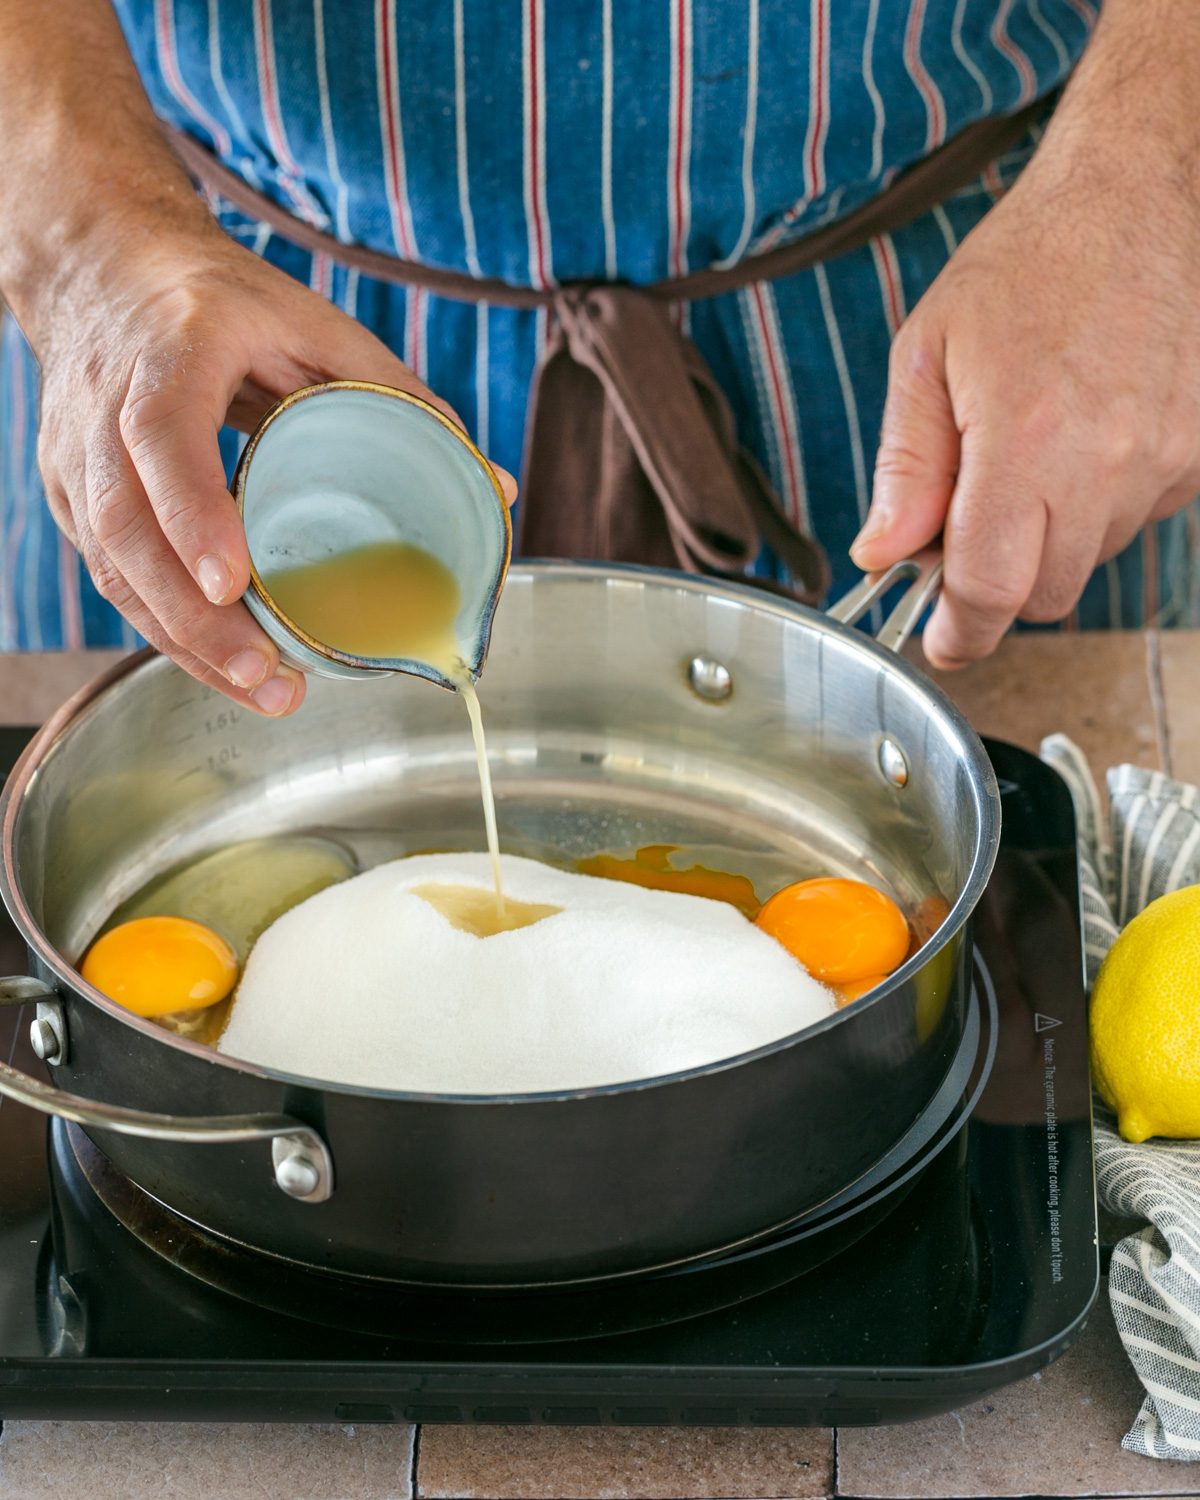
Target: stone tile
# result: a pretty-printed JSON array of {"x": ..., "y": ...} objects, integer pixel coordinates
[
  {"x": 1057, "y": 1433},
  {"x": 625, "y": 1463},
  {"x": 204, "y": 1461},
  {"x": 1093, "y": 686},
  {"x": 33, "y": 684},
  {"x": 1179, "y": 657}
]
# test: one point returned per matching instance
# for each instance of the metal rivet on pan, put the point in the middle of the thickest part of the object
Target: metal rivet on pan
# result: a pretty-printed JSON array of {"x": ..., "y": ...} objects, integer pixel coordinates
[
  {"x": 48, "y": 1032},
  {"x": 297, "y": 1175},
  {"x": 892, "y": 762},
  {"x": 708, "y": 679},
  {"x": 43, "y": 1040}
]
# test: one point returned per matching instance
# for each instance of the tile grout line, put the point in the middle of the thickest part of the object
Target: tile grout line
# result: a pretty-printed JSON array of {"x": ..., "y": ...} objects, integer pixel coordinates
[
  {"x": 414, "y": 1484},
  {"x": 1158, "y": 700}
]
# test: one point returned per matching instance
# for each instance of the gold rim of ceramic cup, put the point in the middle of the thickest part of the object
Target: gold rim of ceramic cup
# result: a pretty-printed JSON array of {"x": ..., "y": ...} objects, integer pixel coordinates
[{"x": 238, "y": 490}]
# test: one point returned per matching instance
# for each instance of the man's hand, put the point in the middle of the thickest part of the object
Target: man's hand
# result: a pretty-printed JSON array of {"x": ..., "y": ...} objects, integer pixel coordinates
[
  {"x": 153, "y": 329},
  {"x": 1044, "y": 396},
  {"x": 138, "y": 376}
]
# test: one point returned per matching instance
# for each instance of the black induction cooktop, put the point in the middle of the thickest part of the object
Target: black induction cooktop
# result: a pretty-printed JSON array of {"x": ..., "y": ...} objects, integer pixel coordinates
[{"x": 979, "y": 1267}]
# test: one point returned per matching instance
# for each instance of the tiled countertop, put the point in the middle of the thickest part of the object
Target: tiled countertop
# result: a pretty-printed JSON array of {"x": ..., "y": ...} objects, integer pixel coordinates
[{"x": 1122, "y": 697}]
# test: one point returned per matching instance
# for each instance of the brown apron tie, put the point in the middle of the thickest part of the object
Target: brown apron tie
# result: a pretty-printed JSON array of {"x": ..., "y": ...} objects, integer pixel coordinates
[
  {"x": 630, "y": 449},
  {"x": 631, "y": 453}
]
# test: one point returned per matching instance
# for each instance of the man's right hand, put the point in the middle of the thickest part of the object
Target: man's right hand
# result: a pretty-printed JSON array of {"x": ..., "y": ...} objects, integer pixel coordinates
[
  {"x": 153, "y": 329},
  {"x": 138, "y": 376}
]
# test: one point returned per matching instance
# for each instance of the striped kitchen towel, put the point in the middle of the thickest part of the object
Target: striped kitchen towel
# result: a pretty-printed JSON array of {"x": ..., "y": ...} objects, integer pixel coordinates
[{"x": 1148, "y": 845}]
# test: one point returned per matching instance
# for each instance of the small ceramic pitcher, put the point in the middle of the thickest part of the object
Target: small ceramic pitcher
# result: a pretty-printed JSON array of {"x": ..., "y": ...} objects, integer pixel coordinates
[{"x": 348, "y": 464}]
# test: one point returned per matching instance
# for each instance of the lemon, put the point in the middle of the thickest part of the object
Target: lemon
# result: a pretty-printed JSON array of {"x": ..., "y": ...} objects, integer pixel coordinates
[{"x": 1145, "y": 1021}]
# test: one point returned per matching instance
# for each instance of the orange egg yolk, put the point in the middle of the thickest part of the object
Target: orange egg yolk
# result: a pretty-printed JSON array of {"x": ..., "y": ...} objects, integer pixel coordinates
[
  {"x": 840, "y": 930},
  {"x": 156, "y": 965},
  {"x": 854, "y": 989},
  {"x": 650, "y": 866}
]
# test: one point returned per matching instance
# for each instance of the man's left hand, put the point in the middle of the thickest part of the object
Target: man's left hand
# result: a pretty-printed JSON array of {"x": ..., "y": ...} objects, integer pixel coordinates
[{"x": 1044, "y": 396}]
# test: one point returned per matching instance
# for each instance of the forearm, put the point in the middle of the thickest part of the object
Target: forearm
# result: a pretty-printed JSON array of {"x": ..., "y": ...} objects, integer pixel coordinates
[
  {"x": 1132, "y": 106},
  {"x": 1043, "y": 401},
  {"x": 88, "y": 175}
]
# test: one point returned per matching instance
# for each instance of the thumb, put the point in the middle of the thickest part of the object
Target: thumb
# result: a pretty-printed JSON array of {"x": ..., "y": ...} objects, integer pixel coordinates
[{"x": 918, "y": 457}]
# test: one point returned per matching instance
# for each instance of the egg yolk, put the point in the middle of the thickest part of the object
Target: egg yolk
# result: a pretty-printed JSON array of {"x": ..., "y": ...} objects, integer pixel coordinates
[
  {"x": 854, "y": 989},
  {"x": 156, "y": 965},
  {"x": 650, "y": 866},
  {"x": 840, "y": 930}
]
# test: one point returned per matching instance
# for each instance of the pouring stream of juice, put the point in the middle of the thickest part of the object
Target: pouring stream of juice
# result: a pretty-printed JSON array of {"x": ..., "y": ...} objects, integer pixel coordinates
[{"x": 396, "y": 600}]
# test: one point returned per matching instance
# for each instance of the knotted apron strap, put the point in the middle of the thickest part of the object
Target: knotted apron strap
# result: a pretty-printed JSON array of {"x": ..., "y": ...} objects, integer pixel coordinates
[{"x": 630, "y": 449}]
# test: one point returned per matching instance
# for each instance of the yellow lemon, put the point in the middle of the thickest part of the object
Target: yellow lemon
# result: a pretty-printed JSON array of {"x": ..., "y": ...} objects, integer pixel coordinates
[{"x": 1145, "y": 1021}]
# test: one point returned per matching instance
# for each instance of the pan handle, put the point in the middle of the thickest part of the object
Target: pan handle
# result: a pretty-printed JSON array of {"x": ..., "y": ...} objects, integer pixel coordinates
[
  {"x": 924, "y": 571},
  {"x": 303, "y": 1165}
]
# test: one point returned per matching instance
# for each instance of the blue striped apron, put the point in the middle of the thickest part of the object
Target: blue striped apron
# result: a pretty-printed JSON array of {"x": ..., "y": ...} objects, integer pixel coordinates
[{"x": 601, "y": 142}]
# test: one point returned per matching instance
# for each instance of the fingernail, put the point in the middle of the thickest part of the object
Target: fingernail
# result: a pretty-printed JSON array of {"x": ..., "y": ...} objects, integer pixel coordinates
[
  {"x": 214, "y": 578},
  {"x": 248, "y": 668},
  {"x": 877, "y": 522},
  {"x": 861, "y": 543},
  {"x": 275, "y": 695}
]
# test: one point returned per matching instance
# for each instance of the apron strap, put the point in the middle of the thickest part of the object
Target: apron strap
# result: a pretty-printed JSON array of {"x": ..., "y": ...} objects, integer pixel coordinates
[
  {"x": 630, "y": 449},
  {"x": 907, "y": 196},
  {"x": 631, "y": 454}
]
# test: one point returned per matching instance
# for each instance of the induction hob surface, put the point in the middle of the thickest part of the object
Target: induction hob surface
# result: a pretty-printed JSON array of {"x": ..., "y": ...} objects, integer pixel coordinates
[{"x": 983, "y": 1271}]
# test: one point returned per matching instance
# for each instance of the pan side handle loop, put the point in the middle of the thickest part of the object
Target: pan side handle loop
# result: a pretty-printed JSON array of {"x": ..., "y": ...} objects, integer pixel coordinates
[
  {"x": 303, "y": 1166},
  {"x": 924, "y": 574}
]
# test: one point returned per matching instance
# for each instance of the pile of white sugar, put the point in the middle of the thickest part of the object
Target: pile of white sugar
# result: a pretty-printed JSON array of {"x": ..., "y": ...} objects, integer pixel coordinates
[{"x": 366, "y": 983}]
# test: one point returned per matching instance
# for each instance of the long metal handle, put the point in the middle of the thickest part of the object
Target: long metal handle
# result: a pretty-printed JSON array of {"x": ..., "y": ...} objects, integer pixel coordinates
[
  {"x": 924, "y": 571},
  {"x": 303, "y": 1165}
]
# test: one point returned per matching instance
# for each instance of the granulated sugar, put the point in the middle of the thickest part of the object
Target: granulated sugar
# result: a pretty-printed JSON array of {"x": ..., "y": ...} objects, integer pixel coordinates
[{"x": 366, "y": 983}]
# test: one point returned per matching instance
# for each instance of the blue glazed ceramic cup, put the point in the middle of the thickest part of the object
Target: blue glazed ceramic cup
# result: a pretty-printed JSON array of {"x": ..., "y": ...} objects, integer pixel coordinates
[{"x": 348, "y": 464}]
